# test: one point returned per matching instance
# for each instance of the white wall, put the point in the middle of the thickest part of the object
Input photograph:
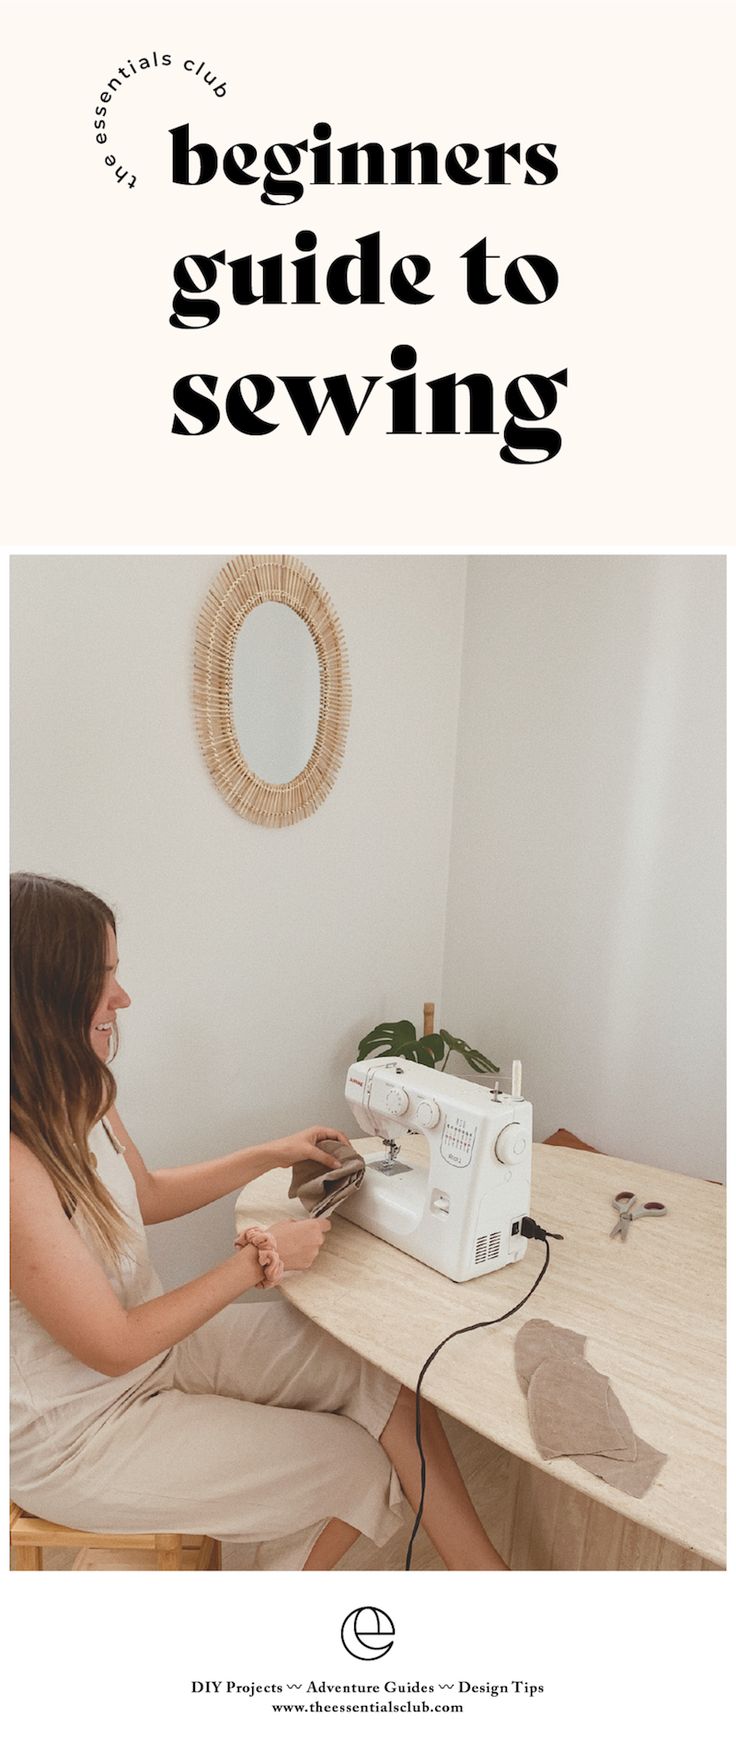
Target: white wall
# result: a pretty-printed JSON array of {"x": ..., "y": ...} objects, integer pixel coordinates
[
  {"x": 256, "y": 958},
  {"x": 586, "y": 903}
]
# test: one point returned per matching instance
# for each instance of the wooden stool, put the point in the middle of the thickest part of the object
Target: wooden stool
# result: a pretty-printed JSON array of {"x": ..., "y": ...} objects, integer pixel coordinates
[{"x": 30, "y": 1536}]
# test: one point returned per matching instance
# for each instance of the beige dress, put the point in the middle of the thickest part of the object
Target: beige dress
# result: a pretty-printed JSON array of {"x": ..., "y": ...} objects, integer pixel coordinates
[{"x": 259, "y": 1427}]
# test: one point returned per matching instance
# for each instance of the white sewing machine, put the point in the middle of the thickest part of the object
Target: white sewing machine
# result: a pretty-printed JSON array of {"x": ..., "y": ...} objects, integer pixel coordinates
[{"x": 462, "y": 1212}]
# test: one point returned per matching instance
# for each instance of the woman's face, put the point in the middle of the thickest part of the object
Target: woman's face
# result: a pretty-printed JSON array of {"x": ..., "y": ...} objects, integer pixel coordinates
[{"x": 112, "y": 998}]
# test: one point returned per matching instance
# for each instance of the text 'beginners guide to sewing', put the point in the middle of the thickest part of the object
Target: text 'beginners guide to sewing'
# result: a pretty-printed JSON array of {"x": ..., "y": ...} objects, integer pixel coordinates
[{"x": 391, "y": 396}]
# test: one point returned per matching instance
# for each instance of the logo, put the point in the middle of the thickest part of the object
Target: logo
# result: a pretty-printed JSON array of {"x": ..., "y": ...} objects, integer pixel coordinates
[{"x": 367, "y": 1633}]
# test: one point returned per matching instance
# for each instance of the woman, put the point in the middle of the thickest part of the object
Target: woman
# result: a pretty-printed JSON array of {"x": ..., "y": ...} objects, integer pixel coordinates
[{"x": 135, "y": 1409}]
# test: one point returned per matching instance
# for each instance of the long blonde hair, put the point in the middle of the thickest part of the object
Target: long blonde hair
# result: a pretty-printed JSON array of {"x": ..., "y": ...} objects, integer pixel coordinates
[{"x": 59, "y": 1088}]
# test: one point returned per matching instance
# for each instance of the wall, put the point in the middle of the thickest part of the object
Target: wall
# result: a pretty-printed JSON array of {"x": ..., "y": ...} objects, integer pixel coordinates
[
  {"x": 586, "y": 901},
  {"x": 256, "y": 958}
]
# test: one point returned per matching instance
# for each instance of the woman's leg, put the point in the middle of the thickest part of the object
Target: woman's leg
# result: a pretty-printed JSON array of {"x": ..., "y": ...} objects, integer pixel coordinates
[
  {"x": 262, "y": 1352},
  {"x": 332, "y": 1543},
  {"x": 449, "y": 1518}
]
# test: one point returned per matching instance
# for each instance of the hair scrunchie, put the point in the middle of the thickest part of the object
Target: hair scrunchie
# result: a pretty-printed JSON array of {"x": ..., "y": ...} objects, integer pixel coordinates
[{"x": 267, "y": 1253}]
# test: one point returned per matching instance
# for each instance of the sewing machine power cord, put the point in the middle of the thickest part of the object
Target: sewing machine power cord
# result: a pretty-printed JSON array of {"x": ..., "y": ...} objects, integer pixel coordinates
[{"x": 532, "y": 1231}]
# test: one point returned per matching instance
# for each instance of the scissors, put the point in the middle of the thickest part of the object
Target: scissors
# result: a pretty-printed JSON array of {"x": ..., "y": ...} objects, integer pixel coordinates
[{"x": 629, "y": 1210}]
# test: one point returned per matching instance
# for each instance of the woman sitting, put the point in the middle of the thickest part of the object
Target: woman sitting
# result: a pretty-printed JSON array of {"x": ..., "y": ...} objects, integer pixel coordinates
[{"x": 135, "y": 1409}]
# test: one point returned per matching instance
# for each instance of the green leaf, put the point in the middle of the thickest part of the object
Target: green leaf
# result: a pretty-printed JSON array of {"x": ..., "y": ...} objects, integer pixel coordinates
[
  {"x": 398, "y": 1039},
  {"x": 476, "y": 1059},
  {"x": 432, "y": 1049},
  {"x": 377, "y": 1037},
  {"x": 453, "y": 1044},
  {"x": 393, "y": 1036},
  {"x": 479, "y": 1062}
]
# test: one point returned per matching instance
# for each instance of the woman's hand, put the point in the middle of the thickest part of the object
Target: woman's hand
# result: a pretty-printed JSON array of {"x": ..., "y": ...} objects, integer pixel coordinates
[
  {"x": 297, "y": 1243},
  {"x": 304, "y": 1146}
]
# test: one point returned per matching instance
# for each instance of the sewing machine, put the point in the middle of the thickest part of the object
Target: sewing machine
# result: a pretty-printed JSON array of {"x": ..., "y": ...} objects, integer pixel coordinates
[{"x": 462, "y": 1213}]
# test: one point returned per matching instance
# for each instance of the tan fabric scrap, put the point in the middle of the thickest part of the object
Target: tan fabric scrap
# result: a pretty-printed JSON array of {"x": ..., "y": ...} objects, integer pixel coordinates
[
  {"x": 570, "y": 1412},
  {"x": 564, "y": 1403},
  {"x": 635, "y": 1478},
  {"x": 537, "y": 1341},
  {"x": 321, "y": 1191}
]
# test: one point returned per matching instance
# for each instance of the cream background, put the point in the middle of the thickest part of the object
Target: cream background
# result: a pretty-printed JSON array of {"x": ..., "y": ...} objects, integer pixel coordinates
[{"x": 635, "y": 97}]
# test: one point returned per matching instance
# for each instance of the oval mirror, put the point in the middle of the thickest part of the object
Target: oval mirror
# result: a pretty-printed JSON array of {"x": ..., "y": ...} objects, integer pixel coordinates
[
  {"x": 271, "y": 688},
  {"x": 275, "y": 701}
]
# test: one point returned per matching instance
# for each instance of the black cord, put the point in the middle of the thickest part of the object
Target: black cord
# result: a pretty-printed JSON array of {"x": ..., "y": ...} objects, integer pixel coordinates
[{"x": 532, "y": 1231}]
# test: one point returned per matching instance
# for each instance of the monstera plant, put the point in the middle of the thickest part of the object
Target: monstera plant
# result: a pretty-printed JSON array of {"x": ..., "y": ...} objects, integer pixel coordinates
[{"x": 398, "y": 1039}]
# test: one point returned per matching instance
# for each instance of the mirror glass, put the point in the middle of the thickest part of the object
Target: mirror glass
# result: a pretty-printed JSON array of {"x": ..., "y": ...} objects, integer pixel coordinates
[{"x": 276, "y": 691}]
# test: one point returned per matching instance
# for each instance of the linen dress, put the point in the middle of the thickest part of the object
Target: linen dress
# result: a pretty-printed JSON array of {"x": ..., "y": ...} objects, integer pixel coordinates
[{"x": 259, "y": 1428}]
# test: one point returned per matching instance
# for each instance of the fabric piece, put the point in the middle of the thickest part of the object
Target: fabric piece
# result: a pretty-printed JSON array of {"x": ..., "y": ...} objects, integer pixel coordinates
[
  {"x": 321, "y": 1191},
  {"x": 258, "y": 1428},
  {"x": 634, "y": 1478},
  {"x": 538, "y": 1340},
  {"x": 570, "y": 1404},
  {"x": 570, "y": 1412}
]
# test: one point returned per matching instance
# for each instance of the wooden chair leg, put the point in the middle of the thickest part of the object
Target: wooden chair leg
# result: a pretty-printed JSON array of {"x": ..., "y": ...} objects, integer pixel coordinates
[
  {"x": 172, "y": 1550},
  {"x": 28, "y": 1556},
  {"x": 169, "y": 1550}
]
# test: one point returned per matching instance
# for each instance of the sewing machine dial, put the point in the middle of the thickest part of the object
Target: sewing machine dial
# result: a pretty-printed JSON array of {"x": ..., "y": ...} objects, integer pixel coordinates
[
  {"x": 397, "y": 1101},
  {"x": 510, "y": 1144},
  {"x": 428, "y": 1114}
]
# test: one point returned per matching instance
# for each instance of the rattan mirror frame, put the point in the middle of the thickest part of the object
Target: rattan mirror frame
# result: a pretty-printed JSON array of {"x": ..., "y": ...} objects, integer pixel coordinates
[{"x": 241, "y": 585}]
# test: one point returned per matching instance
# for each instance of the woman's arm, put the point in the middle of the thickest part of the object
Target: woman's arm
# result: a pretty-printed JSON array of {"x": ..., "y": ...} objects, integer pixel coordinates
[
  {"x": 175, "y": 1191},
  {"x": 57, "y": 1277}
]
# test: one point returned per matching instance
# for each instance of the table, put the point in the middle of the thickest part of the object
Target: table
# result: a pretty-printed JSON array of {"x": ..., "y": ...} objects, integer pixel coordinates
[{"x": 652, "y": 1310}]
